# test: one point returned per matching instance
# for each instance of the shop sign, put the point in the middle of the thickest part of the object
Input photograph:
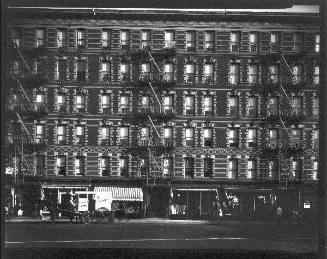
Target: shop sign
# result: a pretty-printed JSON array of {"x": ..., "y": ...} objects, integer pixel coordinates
[
  {"x": 307, "y": 205},
  {"x": 103, "y": 200},
  {"x": 83, "y": 204}
]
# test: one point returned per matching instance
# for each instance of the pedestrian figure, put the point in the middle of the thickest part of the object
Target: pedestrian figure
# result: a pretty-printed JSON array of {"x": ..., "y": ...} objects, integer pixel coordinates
[
  {"x": 20, "y": 211},
  {"x": 279, "y": 214}
]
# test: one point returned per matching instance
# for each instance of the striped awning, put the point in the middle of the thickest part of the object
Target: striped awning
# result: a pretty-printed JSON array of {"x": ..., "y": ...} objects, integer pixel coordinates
[{"x": 122, "y": 193}]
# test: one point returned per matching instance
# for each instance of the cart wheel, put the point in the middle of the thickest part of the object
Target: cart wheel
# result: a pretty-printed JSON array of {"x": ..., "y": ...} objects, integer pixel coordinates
[
  {"x": 102, "y": 215},
  {"x": 86, "y": 218}
]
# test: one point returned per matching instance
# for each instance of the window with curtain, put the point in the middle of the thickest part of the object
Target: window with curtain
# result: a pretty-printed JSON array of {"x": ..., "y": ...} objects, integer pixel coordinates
[
  {"x": 124, "y": 71},
  {"x": 235, "y": 41},
  {"x": 315, "y": 139},
  {"x": 40, "y": 37},
  {"x": 233, "y": 137},
  {"x": 79, "y": 166},
  {"x": 81, "y": 38},
  {"x": 124, "y": 39},
  {"x": 105, "y": 135},
  {"x": 253, "y": 40},
  {"x": 317, "y": 43},
  {"x": 123, "y": 135},
  {"x": 274, "y": 73},
  {"x": 190, "y": 40},
  {"x": 61, "y": 102},
  {"x": 273, "y": 138},
  {"x": 105, "y": 103},
  {"x": 316, "y": 71},
  {"x": 189, "y": 137},
  {"x": 105, "y": 166},
  {"x": 144, "y": 166},
  {"x": 145, "y": 39},
  {"x": 253, "y": 74},
  {"x": 124, "y": 103},
  {"x": 145, "y": 102},
  {"x": 168, "y": 103},
  {"x": 297, "y": 169},
  {"x": 190, "y": 73},
  {"x": 123, "y": 166},
  {"x": 273, "y": 169},
  {"x": 169, "y": 39},
  {"x": 234, "y": 74},
  {"x": 80, "y": 103},
  {"x": 208, "y": 137},
  {"x": 315, "y": 170},
  {"x": 189, "y": 105},
  {"x": 274, "y": 42},
  {"x": 39, "y": 99},
  {"x": 296, "y": 72},
  {"x": 167, "y": 166},
  {"x": 208, "y": 73},
  {"x": 189, "y": 166},
  {"x": 105, "y": 70},
  {"x": 168, "y": 136},
  {"x": 61, "y": 135},
  {"x": 61, "y": 38},
  {"x": 169, "y": 72},
  {"x": 232, "y": 168},
  {"x": 61, "y": 165},
  {"x": 208, "y": 105},
  {"x": 106, "y": 39},
  {"x": 252, "y": 106},
  {"x": 252, "y": 137},
  {"x": 144, "y": 136},
  {"x": 233, "y": 105},
  {"x": 39, "y": 137},
  {"x": 209, "y": 41},
  {"x": 80, "y": 134},
  {"x": 273, "y": 105},
  {"x": 145, "y": 71},
  {"x": 252, "y": 169}
]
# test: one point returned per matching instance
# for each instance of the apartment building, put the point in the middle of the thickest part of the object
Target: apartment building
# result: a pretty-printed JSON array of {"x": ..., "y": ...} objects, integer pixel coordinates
[{"x": 169, "y": 112}]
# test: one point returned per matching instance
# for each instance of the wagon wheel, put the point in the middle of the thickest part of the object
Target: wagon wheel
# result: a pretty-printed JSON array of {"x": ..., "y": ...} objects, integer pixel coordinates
[
  {"x": 86, "y": 218},
  {"x": 102, "y": 215}
]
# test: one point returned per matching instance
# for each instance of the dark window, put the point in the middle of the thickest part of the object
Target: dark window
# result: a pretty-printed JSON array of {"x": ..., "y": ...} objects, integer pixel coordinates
[
  {"x": 189, "y": 167},
  {"x": 207, "y": 167}
]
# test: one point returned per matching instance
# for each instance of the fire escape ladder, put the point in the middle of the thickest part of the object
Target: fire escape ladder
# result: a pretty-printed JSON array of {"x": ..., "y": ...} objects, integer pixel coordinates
[
  {"x": 154, "y": 62},
  {"x": 152, "y": 124},
  {"x": 22, "y": 57},
  {"x": 156, "y": 96},
  {"x": 22, "y": 89}
]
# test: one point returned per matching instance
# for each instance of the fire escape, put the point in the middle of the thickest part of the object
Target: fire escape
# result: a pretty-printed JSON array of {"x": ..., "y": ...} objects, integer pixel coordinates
[{"x": 151, "y": 145}]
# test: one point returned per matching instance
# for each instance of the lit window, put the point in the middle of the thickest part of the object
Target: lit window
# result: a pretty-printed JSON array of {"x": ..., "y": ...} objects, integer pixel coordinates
[
  {"x": 105, "y": 135},
  {"x": 167, "y": 166},
  {"x": 40, "y": 98},
  {"x": 253, "y": 39},
  {"x": 168, "y": 104},
  {"x": 273, "y": 169},
  {"x": 189, "y": 166},
  {"x": 317, "y": 43},
  {"x": 296, "y": 72},
  {"x": 169, "y": 39},
  {"x": 253, "y": 74},
  {"x": 297, "y": 135},
  {"x": 209, "y": 40},
  {"x": 234, "y": 74},
  {"x": 190, "y": 40},
  {"x": 252, "y": 168},
  {"x": 190, "y": 73},
  {"x": 252, "y": 137},
  {"x": 145, "y": 71},
  {"x": 124, "y": 103},
  {"x": 235, "y": 41},
  {"x": 273, "y": 138},
  {"x": 189, "y": 137},
  {"x": 315, "y": 170},
  {"x": 16, "y": 37},
  {"x": 80, "y": 102},
  {"x": 61, "y": 38},
  {"x": 208, "y": 73},
  {"x": 105, "y": 103},
  {"x": 297, "y": 169},
  {"x": 297, "y": 102},
  {"x": 233, "y": 105},
  {"x": 16, "y": 67},
  {"x": 61, "y": 165},
  {"x": 79, "y": 166},
  {"x": 252, "y": 106},
  {"x": 169, "y": 72},
  {"x": 79, "y": 134},
  {"x": 207, "y": 167},
  {"x": 315, "y": 139},
  {"x": 316, "y": 75},
  {"x": 123, "y": 166},
  {"x": 208, "y": 105},
  {"x": 189, "y": 105},
  {"x": 105, "y": 71},
  {"x": 105, "y": 166},
  {"x": 274, "y": 73},
  {"x": 168, "y": 136},
  {"x": 145, "y": 102},
  {"x": 123, "y": 135},
  {"x": 315, "y": 106},
  {"x": 80, "y": 36},
  {"x": 232, "y": 168},
  {"x": 233, "y": 137},
  {"x": 124, "y": 70},
  {"x": 145, "y": 136},
  {"x": 145, "y": 37},
  {"x": 207, "y": 135},
  {"x": 39, "y": 134},
  {"x": 40, "y": 37},
  {"x": 106, "y": 37},
  {"x": 61, "y": 135},
  {"x": 274, "y": 42},
  {"x": 273, "y": 105}
]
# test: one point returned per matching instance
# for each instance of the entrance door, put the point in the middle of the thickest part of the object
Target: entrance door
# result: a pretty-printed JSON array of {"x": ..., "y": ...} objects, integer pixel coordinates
[
  {"x": 193, "y": 205},
  {"x": 159, "y": 202}
]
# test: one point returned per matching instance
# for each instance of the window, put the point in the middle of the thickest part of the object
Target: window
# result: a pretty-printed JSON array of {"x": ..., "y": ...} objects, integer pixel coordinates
[
  {"x": 190, "y": 73},
  {"x": 315, "y": 170},
  {"x": 167, "y": 166},
  {"x": 233, "y": 105},
  {"x": 208, "y": 105},
  {"x": 81, "y": 74},
  {"x": 297, "y": 41},
  {"x": 208, "y": 139},
  {"x": 207, "y": 167},
  {"x": 297, "y": 102},
  {"x": 79, "y": 165},
  {"x": 316, "y": 70},
  {"x": 16, "y": 37},
  {"x": 105, "y": 103},
  {"x": 39, "y": 137},
  {"x": 16, "y": 68},
  {"x": 124, "y": 103},
  {"x": 273, "y": 105},
  {"x": 144, "y": 166},
  {"x": 79, "y": 135},
  {"x": 274, "y": 73},
  {"x": 61, "y": 70},
  {"x": 123, "y": 166},
  {"x": 124, "y": 135},
  {"x": 252, "y": 137},
  {"x": 61, "y": 38},
  {"x": 208, "y": 73},
  {"x": 169, "y": 72},
  {"x": 124, "y": 70},
  {"x": 189, "y": 166},
  {"x": 296, "y": 72},
  {"x": 39, "y": 99},
  {"x": 297, "y": 169},
  {"x": 169, "y": 39},
  {"x": 235, "y": 41},
  {"x": 105, "y": 70},
  {"x": 40, "y": 164},
  {"x": 234, "y": 71},
  {"x": 233, "y": 137},
  {"x": 168, "y": 136},
  {"x": 145, "y": 102},
  {"x": 253, "y": 74},
  {"x": 106, "y": 38},
  {"x": 252, "y": 169},
  {"x": 61, "y": 165},
  {"x": 80, "y": 103},
  {"x": 145, "y": 72},
  {"x": 144, "y": 136},
  {"x": 189, "y": 137},
  {"x": 209, "y": 41},
  {"x": 36, "y": 67},
  {"x": 189, "y": 105},
  {"x": 145, "y": 39},
  {"x": 190, "y": 40},
  {"x": 168, "y": 104},
  {"x": 232, "y": 169},
  {"x": 40, "y": 37},
  {"x": 273, "y": 138},
  {"x": 273, "y": 169},
  {"x": 317, "y": 43},
  {"x": 124, "y": 39},
  {"x": 315, "y": 139},
  {"x": 61, "y": 135},
  {"x": 252, "y": 110},
  {"x": 105, "y": 135},
  {"x": 105, "y": 166},
  {"x": 297, "y": 135},
  {"x": 253, "y": 39},
  {"x": 80, "y": 36},
  {"x": 274, "y": 42}
]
